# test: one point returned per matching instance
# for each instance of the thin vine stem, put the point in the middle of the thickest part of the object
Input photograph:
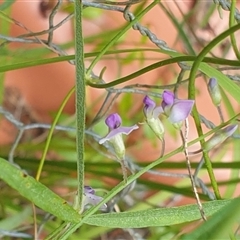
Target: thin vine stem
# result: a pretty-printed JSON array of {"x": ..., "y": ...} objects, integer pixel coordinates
[
  {"x": 231, "y": 23},
  {"x": 38, "y": 62},
  {"x": 174, "y": 59},
  {"x": 184, "y": 137},
  {"x": 191, "y": 95}
]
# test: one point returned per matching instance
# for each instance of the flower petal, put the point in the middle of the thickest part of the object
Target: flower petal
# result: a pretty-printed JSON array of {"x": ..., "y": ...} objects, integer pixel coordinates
[
  {"x": 119, "y": 130},
  {"x": 157, "y": 111},
  {"x": 128, "y": 130},
  {"x": 149, "y": 105},
  {"x": 168, "y": 98},
  {"x": 91, "y": 198},
  {"x": 180, "y": 110},
  {"x": 229, "y": 130},
  {"x": 88, "y": 189},
  {"x": 113, "y": 121}
]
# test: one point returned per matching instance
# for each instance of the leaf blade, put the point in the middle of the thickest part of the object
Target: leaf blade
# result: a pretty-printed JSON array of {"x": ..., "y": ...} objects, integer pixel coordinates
[
  {"x": 155, "y": 217},
  {"x": 36, "y": 192},
  {"x": 219, "y": 225}
]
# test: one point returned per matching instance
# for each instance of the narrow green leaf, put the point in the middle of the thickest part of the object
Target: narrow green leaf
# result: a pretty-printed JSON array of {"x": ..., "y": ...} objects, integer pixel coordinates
[
  {"x": 16, "y": 220},
  {"x": 6, "y": 4},
  {"x": 155, "y": 217},
  {"x": 36, "y": 192},
  {"x": 219, "y": 226},
  {"x": 232, "y": 88}
]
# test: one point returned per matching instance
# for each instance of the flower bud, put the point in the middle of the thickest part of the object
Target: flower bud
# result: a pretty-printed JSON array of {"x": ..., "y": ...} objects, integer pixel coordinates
[
  {"x": 220, "y": 136},
  {"x": 151, "y": 113},
  {"x": 214, "y": 91}
]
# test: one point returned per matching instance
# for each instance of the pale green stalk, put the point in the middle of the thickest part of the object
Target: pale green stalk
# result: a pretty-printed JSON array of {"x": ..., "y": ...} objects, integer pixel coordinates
[
  {"x": 80, "y": 99},
  {"x": 231, "y": 23},
  {"x": 191, "y": 95}
]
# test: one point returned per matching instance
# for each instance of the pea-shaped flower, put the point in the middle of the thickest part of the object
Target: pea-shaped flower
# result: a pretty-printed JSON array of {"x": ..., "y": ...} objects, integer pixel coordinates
[
  {"x": 152, "y": 113},
  {"x": 91, "y": 198},
  {"x": 175, "y": 109},
  {"x": 114, "y": 121}
]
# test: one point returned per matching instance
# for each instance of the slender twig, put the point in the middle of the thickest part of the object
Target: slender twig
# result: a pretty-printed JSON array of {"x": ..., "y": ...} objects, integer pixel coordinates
[
  {"x": 226, "y": 5},
  {"x": 51, "y": 18},
  {"x": 185, "y": 145},
  {"x": 220, "y": 113},
  {"x": 129, "y": 2},
  {"x": 14, "y": 145}
]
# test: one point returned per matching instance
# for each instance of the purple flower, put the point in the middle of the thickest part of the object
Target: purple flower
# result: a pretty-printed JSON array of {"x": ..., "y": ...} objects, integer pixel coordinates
[
  {"x": 91, "y": 198},
  {"x": 175, "y": 109},
  {"x": 114, "y": 121},
  {"x": 220, "y": 136},
  {"x": 152, "y": 113}
]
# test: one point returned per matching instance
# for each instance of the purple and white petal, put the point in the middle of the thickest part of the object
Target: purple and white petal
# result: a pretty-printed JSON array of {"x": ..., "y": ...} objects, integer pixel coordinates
[
  {"x": 152, "y": 113},
  {"x": 92, "y": 199},
  {"x": 110, "y": 135},
  {"x": 89, "y": 190},
  {"x": 113, "y": 121},
  {"x": 128, "y": 130},
  {"x": 157, "y": 111},
  {"x": 168, "y": 98},
  {"x": 220, "y": 136},
  {"x": 180, "y": 110},
  {"x": 149, "y": 105},
  {"x": 120, "y": 130},
  {"x": 229, "y": 130}
]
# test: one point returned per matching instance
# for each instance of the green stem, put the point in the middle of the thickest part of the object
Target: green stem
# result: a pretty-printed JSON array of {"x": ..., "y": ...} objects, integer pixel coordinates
[
  {"x": 49, "y": 137},
  {"x": 80, "y": 99},
  {"x": 231, "y": 23},
  {"x": 38, "y": 62},
  {"x": 191, "y": 95},
  {"x": 176, "y": 59}
]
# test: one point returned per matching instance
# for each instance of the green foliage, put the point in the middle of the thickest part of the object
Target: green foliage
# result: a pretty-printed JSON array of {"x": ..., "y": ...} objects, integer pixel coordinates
[
  {"x": 155, "y": 217},
  {"x": 71, "y": 157},
  {"x": 6, "y": 4},
  {"x": 218, "y": 227},
  {"x": 37, "y": 193}
]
